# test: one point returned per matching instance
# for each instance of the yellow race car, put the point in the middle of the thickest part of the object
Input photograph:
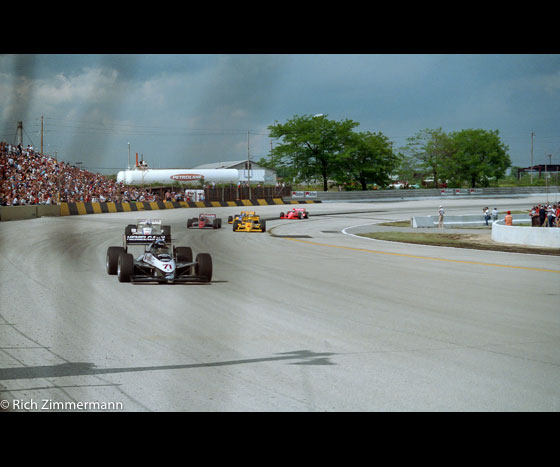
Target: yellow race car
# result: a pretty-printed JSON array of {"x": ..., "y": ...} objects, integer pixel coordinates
[
  {"x": 239, "y": 216},
  {"x": 252, "y": 223}
]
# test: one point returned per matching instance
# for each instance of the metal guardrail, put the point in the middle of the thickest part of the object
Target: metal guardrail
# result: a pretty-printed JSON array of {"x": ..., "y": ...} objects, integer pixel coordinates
[{"x": 435, "y": 192}]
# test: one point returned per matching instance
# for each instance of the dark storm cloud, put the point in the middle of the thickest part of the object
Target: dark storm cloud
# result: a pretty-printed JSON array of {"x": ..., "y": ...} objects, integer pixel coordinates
[
  {"x": 238, "y": 92},
  {"x": 189, "y": 109}
]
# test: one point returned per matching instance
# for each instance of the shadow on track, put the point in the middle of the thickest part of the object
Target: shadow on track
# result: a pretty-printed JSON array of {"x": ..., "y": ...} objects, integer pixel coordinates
[{"x": 304, "y": 357}]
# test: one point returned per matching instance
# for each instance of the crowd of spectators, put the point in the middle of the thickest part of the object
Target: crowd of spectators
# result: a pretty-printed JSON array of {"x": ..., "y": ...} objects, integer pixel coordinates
[
  {"x": 29, "y": 178},
  {"x": 545, "y": 215}
]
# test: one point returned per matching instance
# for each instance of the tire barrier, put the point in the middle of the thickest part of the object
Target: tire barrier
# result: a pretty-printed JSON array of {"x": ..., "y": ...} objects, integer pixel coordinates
[{"x": 80, "y": 208}]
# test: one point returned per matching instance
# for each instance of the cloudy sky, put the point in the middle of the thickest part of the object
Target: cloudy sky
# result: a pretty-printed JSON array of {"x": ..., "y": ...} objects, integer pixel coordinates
[{"x": 186, "y": 110}]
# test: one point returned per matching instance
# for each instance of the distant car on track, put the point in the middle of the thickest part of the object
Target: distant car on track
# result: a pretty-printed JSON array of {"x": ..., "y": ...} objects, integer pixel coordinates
[
  {"x": 205, "y": 221},
  {"x": 249, "y": 223},
  {"x": 296, "y": 213},
  {"x": 145, "y": 229},
  {"x": 240, "y": 215}
]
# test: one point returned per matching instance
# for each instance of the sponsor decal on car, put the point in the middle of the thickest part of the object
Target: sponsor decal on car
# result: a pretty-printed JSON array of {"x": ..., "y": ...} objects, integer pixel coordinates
[{"x": 144, "y": 238}]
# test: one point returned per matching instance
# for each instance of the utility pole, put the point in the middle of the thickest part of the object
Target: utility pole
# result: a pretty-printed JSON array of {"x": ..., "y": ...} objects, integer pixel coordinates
[
  {"x": 128, "y": 166},
  {"x": 546, "y": 169},
  {"x": 19, "y": 133},
  {"x": 248, "y": 166},
  {"x": 532, "y": 135},
  {"x": 41, "y": 135}
]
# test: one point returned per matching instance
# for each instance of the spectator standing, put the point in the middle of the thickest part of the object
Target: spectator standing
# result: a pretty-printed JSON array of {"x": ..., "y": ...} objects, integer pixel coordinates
[
  {"x": 542, "y": 215},
  {"x": 551, "y": 214},
  {"x": 441, "y": 212},
  {"x": 494, "y": 214},
  {"x": 509, "y": 218},
  {"x": 534, "y": 217},
  {"x": 486, "y": 214}
]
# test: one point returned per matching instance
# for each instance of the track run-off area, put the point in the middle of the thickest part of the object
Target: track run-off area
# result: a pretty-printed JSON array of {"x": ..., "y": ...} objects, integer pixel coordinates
[{"x": 305, "y": 317}]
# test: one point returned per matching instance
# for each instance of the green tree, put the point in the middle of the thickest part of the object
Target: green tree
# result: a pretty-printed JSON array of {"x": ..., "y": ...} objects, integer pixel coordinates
[
  {"x": 429, "y": 151},
  {"x": 367, "y": 158},
  {"x": 477, "y": 156},
  {"x": 282, "y": 168},
  {"x": 311, "y": 144}
]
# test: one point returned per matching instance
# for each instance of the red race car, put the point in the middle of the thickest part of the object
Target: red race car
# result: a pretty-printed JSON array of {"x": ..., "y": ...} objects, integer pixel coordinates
[
  {"x": 205, "y": 221},
  {"x": 296, "y": 213}
]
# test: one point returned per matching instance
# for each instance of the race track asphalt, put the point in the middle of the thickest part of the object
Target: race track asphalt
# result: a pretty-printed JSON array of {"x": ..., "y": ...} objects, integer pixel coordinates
[{"x": 305, "y": 317}]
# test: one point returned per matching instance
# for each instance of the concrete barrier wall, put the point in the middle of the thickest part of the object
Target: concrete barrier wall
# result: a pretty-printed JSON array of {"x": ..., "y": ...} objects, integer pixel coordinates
[
  {"x": 73, "y": 209},
  {"x": 534, "y": 236},
  {"x": 9, "y": 213},
  {"x": 472, "y": 220},
  {"x": 552, "y": 192},
  {"x": 44, "y": 210},
  {"x": 18, "y": 213}
]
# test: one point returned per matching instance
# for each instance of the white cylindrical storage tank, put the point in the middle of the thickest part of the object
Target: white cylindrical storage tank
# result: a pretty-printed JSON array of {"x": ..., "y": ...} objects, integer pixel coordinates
[{"x": 188, "y": 176}]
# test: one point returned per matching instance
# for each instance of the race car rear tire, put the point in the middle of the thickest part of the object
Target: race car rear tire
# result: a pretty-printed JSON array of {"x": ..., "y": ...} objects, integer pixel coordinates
[
  {"x": 230, "y": 219},
  {"x": 183, "y": 254},
  {"x": 166, "y": 229},
  {"x": 125, "y": 267},
  {"x": 203, "y": 267},
  {"x": 281, "y": 215},
  {"x": 112, "y": 260},
  {"x": 263, "y": 226},
  {"x": 235, "y": 224},
  {"x": 128, "y": 229}
]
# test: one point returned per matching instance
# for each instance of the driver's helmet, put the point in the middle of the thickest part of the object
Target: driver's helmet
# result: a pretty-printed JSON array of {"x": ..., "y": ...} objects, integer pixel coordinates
[{"x": 159, "y": 247}]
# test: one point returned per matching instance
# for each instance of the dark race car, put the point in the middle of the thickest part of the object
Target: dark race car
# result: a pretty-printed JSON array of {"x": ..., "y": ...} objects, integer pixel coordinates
[{"x": 205, "y": 221}]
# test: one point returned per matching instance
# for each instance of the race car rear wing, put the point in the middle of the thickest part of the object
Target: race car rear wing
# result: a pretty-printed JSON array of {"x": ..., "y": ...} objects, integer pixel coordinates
[{"x": 139, "y": 239}]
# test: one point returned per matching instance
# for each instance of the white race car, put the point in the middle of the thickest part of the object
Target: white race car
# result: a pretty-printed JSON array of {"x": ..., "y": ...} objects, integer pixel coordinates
[{"x": 158, "y": 263}]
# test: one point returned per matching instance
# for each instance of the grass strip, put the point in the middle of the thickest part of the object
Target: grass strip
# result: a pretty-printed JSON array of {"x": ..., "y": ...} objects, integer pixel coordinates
[{"x": 455, "y": 240}]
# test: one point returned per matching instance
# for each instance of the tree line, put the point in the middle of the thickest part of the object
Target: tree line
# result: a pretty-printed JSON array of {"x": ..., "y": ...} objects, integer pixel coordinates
[{"x": 312, "y": 148}]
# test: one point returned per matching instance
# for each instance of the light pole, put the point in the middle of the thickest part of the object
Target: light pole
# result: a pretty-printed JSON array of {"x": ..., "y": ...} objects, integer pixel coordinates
[
  {"x": 546, "y": 167},
  {"x": 532, "y": 136}
]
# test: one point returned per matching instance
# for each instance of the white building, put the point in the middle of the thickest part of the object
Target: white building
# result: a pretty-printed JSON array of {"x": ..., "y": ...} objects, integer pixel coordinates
[{"x": 257, "y": 174}]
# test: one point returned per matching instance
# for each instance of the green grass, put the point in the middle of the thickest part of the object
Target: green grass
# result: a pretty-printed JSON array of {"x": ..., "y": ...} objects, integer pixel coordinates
[{"x": 456, "y": 240}]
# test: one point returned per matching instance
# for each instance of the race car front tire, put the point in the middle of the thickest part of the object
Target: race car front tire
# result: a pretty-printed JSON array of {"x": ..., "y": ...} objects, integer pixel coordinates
[
  {"x": 189, "y": 223},
  {"x": 125, "y": 267},
  {"x": 112, "y": 260},
  {"x": 183, "y": 254},
  {"x": 235, "y": 225},
  {"x": 203, "y": 266}
]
